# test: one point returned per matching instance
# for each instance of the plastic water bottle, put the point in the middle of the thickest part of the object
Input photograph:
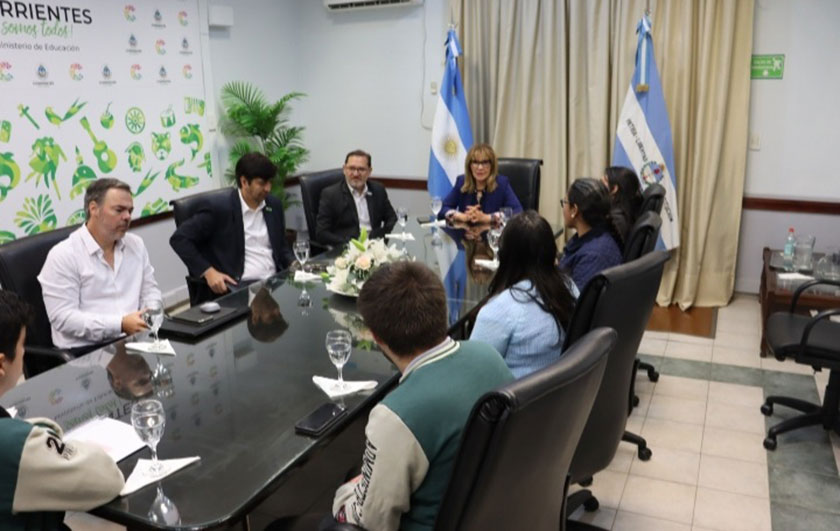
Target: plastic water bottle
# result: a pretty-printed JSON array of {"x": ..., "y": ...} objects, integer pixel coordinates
[{"x": 790, "y": 243}]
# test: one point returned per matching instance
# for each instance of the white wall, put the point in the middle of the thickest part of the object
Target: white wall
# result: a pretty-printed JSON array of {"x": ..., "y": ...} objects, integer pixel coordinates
[{"x": 796, "y": 119}]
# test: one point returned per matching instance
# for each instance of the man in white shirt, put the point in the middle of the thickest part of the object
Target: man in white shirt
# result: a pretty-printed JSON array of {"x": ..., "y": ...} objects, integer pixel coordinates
[
  {"x": 238, "y": 236},
  {"x": 97, "y": 282}
]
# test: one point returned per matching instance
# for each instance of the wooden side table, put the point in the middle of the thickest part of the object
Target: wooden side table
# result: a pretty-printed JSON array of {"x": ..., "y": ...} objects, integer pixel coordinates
[{"x": 775, "y": 295}]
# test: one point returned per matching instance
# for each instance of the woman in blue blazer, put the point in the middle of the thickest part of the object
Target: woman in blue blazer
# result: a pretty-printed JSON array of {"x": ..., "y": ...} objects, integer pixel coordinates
[{"x": 480, "y": 193}]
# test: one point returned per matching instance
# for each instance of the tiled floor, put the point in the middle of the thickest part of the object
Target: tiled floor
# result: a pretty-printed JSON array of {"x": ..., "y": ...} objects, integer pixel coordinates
[{"x": 709, "y": 470}]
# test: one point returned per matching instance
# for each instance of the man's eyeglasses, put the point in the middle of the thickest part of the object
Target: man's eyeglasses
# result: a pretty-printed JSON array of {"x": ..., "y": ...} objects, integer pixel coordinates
[
  {"x": 356, "y": 169},
  {"x": 480, "y": 162}
]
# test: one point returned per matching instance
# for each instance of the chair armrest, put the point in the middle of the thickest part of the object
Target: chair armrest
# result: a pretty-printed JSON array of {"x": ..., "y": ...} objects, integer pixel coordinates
[
  {"x": 819, "y": 317},
  {"x": 806, "y": 286},
  {"x": 48, "y": 352}
]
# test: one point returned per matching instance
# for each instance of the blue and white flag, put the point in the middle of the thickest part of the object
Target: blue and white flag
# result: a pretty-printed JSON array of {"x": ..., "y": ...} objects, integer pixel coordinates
[
  {"x": 643, "y": 137},
  {"x": 451, "y": 131}
]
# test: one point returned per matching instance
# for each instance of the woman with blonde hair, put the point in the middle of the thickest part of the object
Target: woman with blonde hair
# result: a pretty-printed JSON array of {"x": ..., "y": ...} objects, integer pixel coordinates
[{"x": 480, "y": 192}]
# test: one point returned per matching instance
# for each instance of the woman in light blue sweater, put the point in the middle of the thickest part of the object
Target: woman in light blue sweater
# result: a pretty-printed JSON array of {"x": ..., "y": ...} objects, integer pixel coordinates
[{"x": 531, "y": 300}]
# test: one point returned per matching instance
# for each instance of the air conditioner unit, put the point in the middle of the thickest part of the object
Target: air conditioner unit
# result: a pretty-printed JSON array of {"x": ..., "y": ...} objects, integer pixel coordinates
[{"x": 348, "y": 5}]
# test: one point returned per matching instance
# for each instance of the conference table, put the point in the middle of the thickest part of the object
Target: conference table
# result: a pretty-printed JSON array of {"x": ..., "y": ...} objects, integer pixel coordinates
[{"x": 233, "y": 400}]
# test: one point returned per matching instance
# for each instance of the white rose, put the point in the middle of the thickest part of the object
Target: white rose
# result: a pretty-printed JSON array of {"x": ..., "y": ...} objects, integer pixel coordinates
[
  {"x": 363, "y": 262},
  {"x": 341, "y": 263}
]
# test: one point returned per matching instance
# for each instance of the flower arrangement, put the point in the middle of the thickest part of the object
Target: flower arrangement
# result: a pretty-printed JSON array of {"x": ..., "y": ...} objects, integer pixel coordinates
[{"x": 359, "y": 260}]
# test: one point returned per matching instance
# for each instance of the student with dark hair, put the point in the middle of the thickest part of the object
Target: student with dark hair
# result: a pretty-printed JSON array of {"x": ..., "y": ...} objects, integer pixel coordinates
[
  {"x": 239, "y": 236},
  {"x": 42, "y": 475},
  {"x": 531, "y": 300},
  {"x": 414, "y": 433},
  {"x": 625, "y": 195},
  {"x": 597, "y": 244}
]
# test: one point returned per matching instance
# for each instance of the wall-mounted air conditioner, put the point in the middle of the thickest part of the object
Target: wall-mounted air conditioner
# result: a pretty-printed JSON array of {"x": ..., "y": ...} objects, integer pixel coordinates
[{"x": 347, "y": 5}]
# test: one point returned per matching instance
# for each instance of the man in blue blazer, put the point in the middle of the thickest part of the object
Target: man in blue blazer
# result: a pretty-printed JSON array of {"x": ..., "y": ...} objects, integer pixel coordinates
[
  {"x": 347, "y": 206},
  {"x": 239, "y": 236}
]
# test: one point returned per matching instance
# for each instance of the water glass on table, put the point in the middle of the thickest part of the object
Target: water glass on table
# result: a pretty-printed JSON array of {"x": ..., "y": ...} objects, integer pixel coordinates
[
  {"x": 803, "y": 252},
  {"x": 402, "y": 219},
  {"x": 339, "y": 345},
  {"x": 301, "y": 249},
  {"x": 494, "y": 236},
  {"x": 153, "y": 317},
  {"x": 149, "y": 420}
]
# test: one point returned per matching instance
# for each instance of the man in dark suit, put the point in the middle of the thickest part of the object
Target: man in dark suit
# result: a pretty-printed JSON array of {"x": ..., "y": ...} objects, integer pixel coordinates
[
  {"x": 239, "y": 236},
  {"x": 348, "y": 206}
]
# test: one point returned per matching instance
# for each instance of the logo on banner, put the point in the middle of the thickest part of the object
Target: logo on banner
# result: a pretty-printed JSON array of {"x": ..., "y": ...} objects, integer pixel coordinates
[
  {"x": 4, "y": 71},
  {"x": 132, "y": 41},
  {"x": 187, "y": 70},
  {"x": 55, "y": 397},
  {"x": 652, "y": 172},
  {"x": 106, "y": 76},
  {"x": 182, "y": 18},
  {"x": 160, "y": 46},
  {"x": 135, "y": 72},
  {"x": 42, "y": 75},
  {"x": 162, "y": 75},
  {"x": 185, "y": 47},
  {"x": 75, "y": 72},
  {"x": 158, "y": 23},
  {"x": 128, "y": 11}
]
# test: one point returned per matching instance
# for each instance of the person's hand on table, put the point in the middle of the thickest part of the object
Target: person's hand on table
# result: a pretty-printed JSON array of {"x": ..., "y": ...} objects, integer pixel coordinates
[{"x": 133, "y": 322}]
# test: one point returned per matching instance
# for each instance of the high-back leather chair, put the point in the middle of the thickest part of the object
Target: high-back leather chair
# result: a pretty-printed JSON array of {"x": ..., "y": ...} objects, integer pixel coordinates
[
  {"x": 653, "y": 198},
  {"x": 311, "y": 186},
  {"x": 622, "y": 298},
  {"x": 524, "y": 175},
  {"x": 642, "y": 236},
  {"x": 182, "y": 210},
  {"x": 20, "y": 263}
]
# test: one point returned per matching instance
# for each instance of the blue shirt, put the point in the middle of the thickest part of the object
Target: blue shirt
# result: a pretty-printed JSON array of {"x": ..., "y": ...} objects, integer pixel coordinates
[
  {"x": 586, "y": 256},
  {"x": 502, "y": 196},
  {"x": 524, "y": 334}
]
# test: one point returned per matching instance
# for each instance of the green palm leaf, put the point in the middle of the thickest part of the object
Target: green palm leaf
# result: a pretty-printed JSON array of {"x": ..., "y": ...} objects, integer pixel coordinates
[{"x": 37, "y": 215}]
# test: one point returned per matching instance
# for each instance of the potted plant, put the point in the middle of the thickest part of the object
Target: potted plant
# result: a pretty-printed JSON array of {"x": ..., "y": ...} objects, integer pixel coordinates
[{"x": 263, "y": 126}]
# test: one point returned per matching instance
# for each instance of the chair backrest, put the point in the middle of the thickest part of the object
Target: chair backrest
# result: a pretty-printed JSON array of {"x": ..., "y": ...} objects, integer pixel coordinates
[
  {"x": 20, "y": 263},
  {"x": 311, "y": 186},
  {"x": 642, "y": 237},
  {"x": 524, "y": 175},
  {"x": 183, "y": 208},
  {"x": 652, "y": 199},
  {"x": 622, "y": 298},
  {"x": 512, "y": 464}
]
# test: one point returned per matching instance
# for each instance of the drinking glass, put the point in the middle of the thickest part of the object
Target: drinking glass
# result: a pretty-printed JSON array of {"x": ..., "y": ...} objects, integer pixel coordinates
[
  {"x": 163, "y": 511},
  {"x": 828, "y": 268},
  {"x": 505, "y": 213},
  {"x": 493, "y": 237},
  {"x": 402, "y": 218},
  {"x": 339, "y": 345},
  {"x": 148, "y": 419},
  {"x": 304, "y": 302},
  {"x": 302, "y": 252},
  {"x": 437, "y": 204},
  {"x": 162, "y": 380},
  {"x": 153, "y": 317},
  {"x": 803, "y": 252}
]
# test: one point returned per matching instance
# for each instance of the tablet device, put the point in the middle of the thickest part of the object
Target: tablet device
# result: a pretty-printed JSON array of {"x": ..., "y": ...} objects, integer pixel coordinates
[{"x": 320, "y": 420}]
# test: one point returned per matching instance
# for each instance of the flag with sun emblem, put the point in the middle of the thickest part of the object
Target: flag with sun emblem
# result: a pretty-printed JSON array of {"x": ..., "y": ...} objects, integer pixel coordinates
[
  {"x": 643, "y": 137},
  {"x": 451, "y": 131}
]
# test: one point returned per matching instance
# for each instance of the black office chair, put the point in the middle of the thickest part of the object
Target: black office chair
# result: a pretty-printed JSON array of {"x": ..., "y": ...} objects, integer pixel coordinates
[
  {"x": 622, "y": 298},
  {"x": 512, "y": 464},
  {"x": 524, "y": 175},
  {"x": 20, "y": 263},
  {"x": 311, "y": 186},
  {"x": 813, "y": 341},
  {"x": 653, "y": 197},
  {"x": 183, "y": 209}
]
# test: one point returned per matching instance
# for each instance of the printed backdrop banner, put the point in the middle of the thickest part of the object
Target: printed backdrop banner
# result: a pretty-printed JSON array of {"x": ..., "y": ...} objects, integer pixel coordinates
[{"x": 98, "y": 89}]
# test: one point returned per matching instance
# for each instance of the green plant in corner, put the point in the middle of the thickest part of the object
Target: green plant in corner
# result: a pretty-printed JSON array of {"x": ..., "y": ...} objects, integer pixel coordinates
[{"x": 263, "y": 126}]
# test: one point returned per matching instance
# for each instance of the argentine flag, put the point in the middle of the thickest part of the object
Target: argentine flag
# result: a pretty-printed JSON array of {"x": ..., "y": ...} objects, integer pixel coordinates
[
  {"x": 643, "y": 137},
  {"x": 451, "y": 131}
]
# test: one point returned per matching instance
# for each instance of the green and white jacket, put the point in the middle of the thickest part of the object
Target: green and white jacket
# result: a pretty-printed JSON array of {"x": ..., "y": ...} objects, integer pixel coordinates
[
  {"x": 413, "y": 437},
  {"x": 41, "y": 475}
]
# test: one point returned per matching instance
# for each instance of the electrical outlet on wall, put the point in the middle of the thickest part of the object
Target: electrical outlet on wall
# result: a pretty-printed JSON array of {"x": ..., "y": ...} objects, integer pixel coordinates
[
  {"x": 755, "y": 141},
  {"x": 433, "y": 88}
]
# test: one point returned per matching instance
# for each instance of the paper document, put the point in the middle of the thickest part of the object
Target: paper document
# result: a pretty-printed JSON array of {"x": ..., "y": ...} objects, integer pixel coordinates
[{"x": 118, "y": 439}]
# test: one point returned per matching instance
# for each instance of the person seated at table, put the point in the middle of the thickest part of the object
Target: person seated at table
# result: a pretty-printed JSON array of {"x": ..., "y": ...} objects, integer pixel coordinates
[
  {"x": 43, "y": 475},
  {"x": 348, "y": 206},
  {"x": 414, "y": 433},
  {"x": 625, "y": 196},
  {"x": 240, "y": 236},
  {"x": 531, "y": 301},
  {"x": 480, "y": 192},
  {"x": 97, "y": 282},
  {"x": 596, "y": 245}
]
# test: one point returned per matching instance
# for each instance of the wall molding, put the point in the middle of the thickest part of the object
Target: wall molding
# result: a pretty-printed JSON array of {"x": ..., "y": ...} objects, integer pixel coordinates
[{"x": 791, "y": 205}]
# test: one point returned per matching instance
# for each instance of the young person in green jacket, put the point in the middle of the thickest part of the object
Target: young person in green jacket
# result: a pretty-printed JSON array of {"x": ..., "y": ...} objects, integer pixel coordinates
[
  {"x": 413, "y": 435},
  {"x": 41, "y": 475}
]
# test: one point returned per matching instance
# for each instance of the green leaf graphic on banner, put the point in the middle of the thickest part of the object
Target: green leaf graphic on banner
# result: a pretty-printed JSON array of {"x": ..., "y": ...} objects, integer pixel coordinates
[
  {"x": 76, "y": 217},
  {"x": 146, "y": 182},
  {"x": 105, "y": 157},
  {"x": 45, "y": 161},
  {"x": 136, "y": 156},
  {"x": 9, "y": 174},
  {"x": 82, "y": 177},
  {"x": 52, "y": 117},
  {"x": 107, "y": 119},
  {"x": 37, "y": 215},
  {"x": 71, "y": 112},
  {"x": 193, "y": 105},
  {"x": 192, "y": 133},
  {"x": 161, "y": 145},
  {"x": 24, "y": 112},
  {"x": 207, "y": 165},
  {"x": 179, "y": 182},
  {"x": 135, "y": 120},
  {"x": 5, "y": 131},
  {"x": 154, "y": 208},
  {"x": 6, "y": 237}
]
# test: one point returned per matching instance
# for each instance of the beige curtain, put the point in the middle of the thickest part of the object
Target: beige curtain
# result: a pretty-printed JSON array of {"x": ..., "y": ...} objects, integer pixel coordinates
[{"x": 546, "y": 79}]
